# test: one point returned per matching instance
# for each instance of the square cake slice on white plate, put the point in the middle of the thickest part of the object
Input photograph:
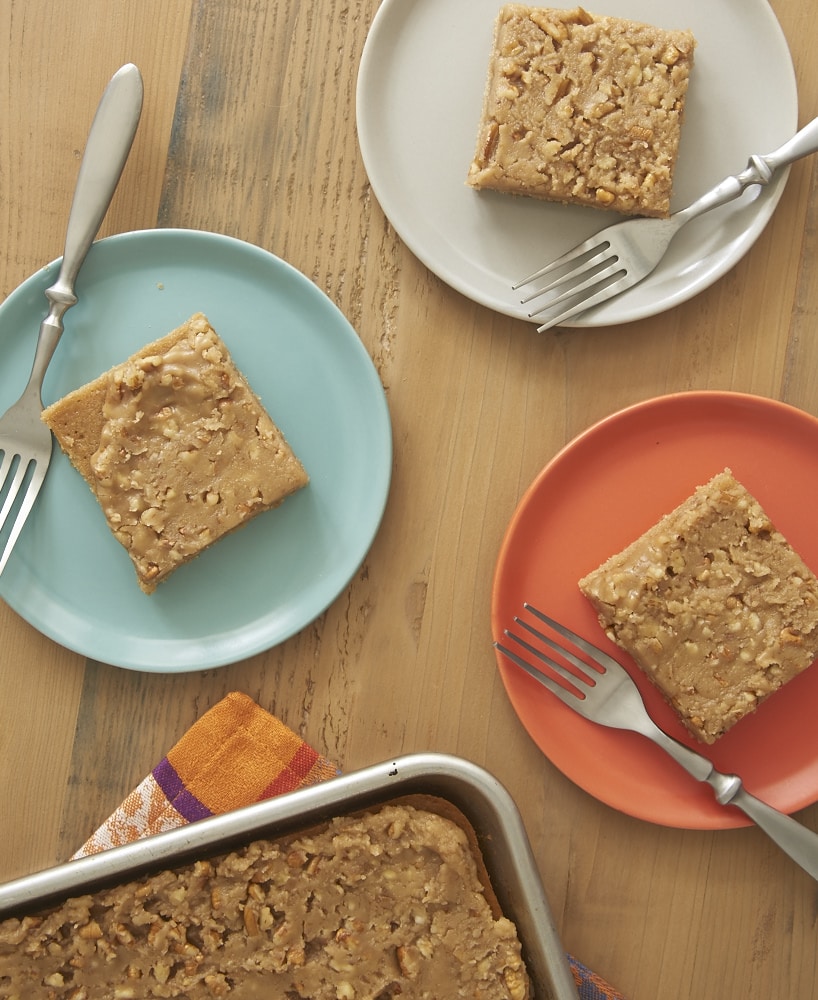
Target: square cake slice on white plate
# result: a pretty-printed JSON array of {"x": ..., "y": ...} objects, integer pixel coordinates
[{"x": 583, "y": 109}]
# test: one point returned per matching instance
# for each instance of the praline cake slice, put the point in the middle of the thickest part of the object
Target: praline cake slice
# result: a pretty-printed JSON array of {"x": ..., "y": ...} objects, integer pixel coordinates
[
  {"x": 583, "y": 109},
  {"x": 713, "y": 604},
  {"x": 176, "y": 447}
]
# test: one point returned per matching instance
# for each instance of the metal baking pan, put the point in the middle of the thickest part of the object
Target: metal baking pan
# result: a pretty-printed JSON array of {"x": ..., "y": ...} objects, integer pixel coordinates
[{"x": 483, "y": 801}]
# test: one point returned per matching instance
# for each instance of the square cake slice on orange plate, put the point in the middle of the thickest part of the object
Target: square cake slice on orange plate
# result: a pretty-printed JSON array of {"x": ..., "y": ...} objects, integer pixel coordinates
[{"x": 713, "y": 604}]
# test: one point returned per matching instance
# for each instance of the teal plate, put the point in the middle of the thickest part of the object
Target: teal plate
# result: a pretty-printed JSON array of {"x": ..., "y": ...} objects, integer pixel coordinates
[{"x": 69, "y": 577}]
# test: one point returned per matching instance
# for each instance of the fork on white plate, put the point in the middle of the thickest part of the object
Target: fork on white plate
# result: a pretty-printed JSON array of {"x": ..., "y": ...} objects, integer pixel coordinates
[
  {"x": 603, "y": 692},
  {"x": 25, "y": 441},
  {"x": 620, "y": 256}
]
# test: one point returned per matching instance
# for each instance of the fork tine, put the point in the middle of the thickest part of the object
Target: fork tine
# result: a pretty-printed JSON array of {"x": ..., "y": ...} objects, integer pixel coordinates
[
  {"x": 575, "y": 283},
  {"x": 578, "y": 681},
  {"x": 5, "y": 467},
  {"x": 600, "y": 293},
  {"x": 588, "y": 648},
  {"x": 590, "y": 248},
  {"x": 13, "y": 486},
  {"x": 32, "y": 489},
  {"x": 569, "y": 696},
  {"x": 570, "y": 656},
  {"x": 579, "y": 283}
]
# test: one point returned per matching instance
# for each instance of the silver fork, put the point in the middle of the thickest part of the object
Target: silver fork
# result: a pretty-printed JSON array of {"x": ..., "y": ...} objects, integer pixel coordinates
[
  {"x": 607, "y": 695},
  {"x": 620, "y": 256},
  {"x": 25, "y": 441}
]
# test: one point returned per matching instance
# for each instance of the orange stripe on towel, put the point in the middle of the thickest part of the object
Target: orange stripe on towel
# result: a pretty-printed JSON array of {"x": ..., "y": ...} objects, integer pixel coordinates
[{"x": 236, "y": 753}]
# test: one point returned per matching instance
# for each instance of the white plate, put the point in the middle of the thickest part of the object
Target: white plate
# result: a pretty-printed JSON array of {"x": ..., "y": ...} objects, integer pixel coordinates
[
  {"x": 419, "y": 99},
  {"x": 74, "y": 582}
]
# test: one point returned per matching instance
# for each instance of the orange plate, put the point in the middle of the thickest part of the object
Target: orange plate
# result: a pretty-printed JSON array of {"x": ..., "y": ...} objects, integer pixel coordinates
[{"x": 599, "y": 493}]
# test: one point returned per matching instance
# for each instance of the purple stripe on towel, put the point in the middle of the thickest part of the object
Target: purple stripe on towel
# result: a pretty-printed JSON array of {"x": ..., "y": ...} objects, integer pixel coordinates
[{"x": 182, "y": 800}]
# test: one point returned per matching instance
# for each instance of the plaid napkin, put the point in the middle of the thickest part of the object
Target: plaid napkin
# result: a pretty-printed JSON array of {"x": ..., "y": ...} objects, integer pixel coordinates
[{"x": 237, "y": 754}]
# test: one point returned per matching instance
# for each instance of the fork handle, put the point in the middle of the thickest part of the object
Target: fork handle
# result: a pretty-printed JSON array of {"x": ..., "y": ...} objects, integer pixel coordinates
[
  {"x": 759, "y": 170},
  {"x": 109, "y": 141},
  {"x": 798, "y": 841}
]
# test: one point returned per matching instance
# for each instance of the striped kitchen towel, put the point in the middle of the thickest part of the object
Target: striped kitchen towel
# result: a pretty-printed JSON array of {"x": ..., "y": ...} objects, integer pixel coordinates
[{"x": 234, "y": 755}]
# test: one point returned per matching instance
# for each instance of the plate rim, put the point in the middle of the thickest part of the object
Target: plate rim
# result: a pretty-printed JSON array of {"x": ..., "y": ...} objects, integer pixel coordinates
[{"x": 181, "y": 654}]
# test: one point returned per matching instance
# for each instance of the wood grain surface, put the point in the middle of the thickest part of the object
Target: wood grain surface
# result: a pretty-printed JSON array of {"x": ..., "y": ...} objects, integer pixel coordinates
[{"x": 249, "y": 129}]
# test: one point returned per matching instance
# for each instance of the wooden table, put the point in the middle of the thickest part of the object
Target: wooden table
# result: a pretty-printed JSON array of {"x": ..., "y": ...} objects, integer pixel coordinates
[{"x": 402, "y": 660}]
